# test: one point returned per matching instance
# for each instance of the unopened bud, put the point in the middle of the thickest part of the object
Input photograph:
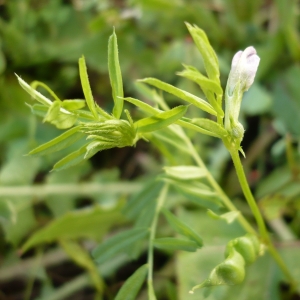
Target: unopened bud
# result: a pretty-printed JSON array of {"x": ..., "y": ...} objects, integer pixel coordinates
[{"x": 243, "y": 69}]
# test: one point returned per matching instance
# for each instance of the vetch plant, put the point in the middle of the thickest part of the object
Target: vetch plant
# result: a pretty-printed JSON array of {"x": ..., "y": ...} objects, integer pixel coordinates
[{"x": 96, "y": 130}]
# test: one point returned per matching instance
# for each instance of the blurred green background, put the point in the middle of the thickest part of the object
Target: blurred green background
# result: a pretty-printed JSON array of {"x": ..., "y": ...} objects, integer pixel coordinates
[{"x": 43, "y": 40}]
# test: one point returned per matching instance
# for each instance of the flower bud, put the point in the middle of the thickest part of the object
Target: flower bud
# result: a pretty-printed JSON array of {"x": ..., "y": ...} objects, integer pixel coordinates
[
  {"x": 111, "y": 133},
  {"x": 243, "y": 69}
]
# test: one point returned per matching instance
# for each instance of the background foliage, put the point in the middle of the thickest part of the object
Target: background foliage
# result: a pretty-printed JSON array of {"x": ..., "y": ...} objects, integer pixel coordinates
[{"x": 58, "y": 212}]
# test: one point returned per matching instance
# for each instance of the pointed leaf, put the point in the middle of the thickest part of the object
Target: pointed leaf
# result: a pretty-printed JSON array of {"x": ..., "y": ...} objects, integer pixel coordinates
[
  {"x": 143, "y": 106},
  {"x": 201, "y": 80},
  {"x": 197, "y": 192},
  {"x": 169, "y": 137},
  {"x": 185, "y": 172},
  {"x": 211, "y": 126},
  {"x": 187, "y": 123},
  {"x": 184, "y": 122},
  {"x": 115, "y": 75},
  {"x": 182, "y": 228},
  {"x": 118, "y": 243},
  {"x": 72, "y": 159},
  {"x": 160, "y": 120},
  {"x": 207, "y": 52},
  {"x": 33, "y": 93},
  {"x": 195, "y": 188},
  {"x": 93, "y": 148},
  {"x": 86, "y": 88},
  {"x": 202, "y": 104},
  {"x": 61, "y": 142},
  {"x": 208, "y": 86},
  {"x": 175, "y": 244},
  {"x": 133, "y": 284}
]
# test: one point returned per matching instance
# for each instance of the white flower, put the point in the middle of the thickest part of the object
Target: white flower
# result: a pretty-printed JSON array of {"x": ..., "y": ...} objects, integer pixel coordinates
[{"x": 243, "y": 69}]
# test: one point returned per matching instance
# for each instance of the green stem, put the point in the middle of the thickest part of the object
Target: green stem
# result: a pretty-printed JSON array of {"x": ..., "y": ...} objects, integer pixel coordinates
[
  {"x": 160, "y": 202},
  {"x": 193, "y": 152},
  {"x": 248, "y": 194},
  {"x": 257, "y": 214},
  {"x": 227, "y": 202}
]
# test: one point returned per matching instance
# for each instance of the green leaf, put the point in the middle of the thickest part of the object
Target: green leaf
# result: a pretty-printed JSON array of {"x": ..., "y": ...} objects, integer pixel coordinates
[
  {"x": 61, "y": 142},
  {"x": 208, "y": 86},
  {"x": 197, "y": 192},
  {"x": 82, "y": 258},
  {"x": 33, "y": 93},
  {"x": 92, "y": 223},
  {"x": 53, "y": 112},
  {"x": 184, "y": 122},
  {"x": 115, "y": 75},
  {"x": 64, "y": 121},
  {"x": 118, "y": 243},
  {"x": 133, "y": 284},
  {"x": 143, "y": 106},
  {"x": 207, "y": 52},
  {"x": 160, "y": 120},
  {"x": 71, "y": 159},
  {"x": 175, "y": 244},
  {"x": 204, "y": 82},
  {"x": 229, "y": 217},
  {"x": 137, "y": 202},
  {"x": 74, "y": 104},
  {"x": 202, "y": 104},
  {"x": 94, "y": 147},
  {"x": 169, "y": 137},
  {"x": 187, "y": 123},
  {"x": 185, "y": 172},
  {"x": 182, "y": 228},
  {"x": 195, "y": 188},
  {"x": 86, "y": 88},
  {"x": 211, "y": 126}
]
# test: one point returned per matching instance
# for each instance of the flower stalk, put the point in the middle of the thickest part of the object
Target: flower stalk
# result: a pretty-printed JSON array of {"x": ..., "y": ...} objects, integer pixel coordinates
[{"x": 243, "y": 69}]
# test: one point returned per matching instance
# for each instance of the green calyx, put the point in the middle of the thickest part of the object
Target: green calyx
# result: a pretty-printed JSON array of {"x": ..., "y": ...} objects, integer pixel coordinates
[{"x": 110, "y": 133}]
